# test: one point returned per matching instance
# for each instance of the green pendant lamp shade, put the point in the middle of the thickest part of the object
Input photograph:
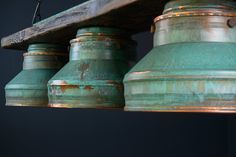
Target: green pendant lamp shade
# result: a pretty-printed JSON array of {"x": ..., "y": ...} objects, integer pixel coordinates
[
  {"x": 29, "y": 87},
  {"x": 192, "y": 67},
  {"x": 99, "y": 58}
]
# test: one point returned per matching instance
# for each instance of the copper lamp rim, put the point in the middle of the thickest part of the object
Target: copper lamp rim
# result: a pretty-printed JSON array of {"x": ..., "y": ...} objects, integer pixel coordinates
[
  {"x": 44, "y": 54},
  {"x": 194, "y": 13}
]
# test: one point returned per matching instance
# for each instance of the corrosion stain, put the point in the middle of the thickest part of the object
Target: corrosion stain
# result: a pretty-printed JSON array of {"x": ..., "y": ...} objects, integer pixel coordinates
[
  {"x": 88, "y": 87},
  {"x": 83, "y": 67},
  {"x": 119, "y": 86},
  {"x": 101, "y": 38},
  {"x": 66, "y": 87},
  {"x": 106, "y": 40}
]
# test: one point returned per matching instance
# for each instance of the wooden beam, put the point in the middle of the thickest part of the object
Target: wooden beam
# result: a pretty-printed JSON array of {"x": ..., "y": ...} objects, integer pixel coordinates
[{"x": 134, "y": 15}]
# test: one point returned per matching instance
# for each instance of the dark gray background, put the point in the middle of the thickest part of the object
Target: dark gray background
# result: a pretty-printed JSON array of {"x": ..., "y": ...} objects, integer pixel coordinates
[{"x": 39, "y": 132}]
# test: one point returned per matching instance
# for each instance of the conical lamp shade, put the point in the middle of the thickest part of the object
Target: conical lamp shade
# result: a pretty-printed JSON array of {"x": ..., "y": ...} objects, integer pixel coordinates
[
  {"x": 29, "y": 87},
  {"x": 93, "y": 77},
  {"x": 192, "y": 67}
]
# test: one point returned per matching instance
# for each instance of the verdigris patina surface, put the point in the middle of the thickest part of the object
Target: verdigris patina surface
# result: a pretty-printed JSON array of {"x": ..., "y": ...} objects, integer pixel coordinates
[
  {"x": 29, "y": 87},
  {"x": 192, "y": 67},
  {"x": 93, "y": 77}
]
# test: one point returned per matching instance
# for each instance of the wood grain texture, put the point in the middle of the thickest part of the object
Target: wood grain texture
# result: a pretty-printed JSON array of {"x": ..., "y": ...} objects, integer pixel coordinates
[{"x": 134, "y": 15}]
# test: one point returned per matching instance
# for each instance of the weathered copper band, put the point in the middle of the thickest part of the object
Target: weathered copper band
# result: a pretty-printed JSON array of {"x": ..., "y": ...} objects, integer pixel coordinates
[
  {"x": 193, "y": 109},
  {"x": 194, "y": 7},
  {"x": 94, "y": 34},
  {"x": 45, "y": 53},
  {"x": 194, "y": 13}
]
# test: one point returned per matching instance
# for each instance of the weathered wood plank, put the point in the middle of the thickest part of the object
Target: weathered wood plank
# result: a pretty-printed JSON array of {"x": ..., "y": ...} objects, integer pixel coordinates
[{"x": 135, "y": 15}]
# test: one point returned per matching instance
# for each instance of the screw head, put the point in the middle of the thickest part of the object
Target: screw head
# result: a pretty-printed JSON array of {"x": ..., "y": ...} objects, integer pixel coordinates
[{"x": 231, "y": 22}]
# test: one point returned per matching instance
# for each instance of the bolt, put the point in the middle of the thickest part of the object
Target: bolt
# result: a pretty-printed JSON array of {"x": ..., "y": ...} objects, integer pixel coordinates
[{"x": 231, "y": 22}]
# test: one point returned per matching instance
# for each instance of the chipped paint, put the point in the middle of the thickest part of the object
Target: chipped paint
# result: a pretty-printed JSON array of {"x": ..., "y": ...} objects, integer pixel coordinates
[
  {"x": 118, "y": 85},
  {"x": 88, "y": 87},
  {"x": 82, "y": 68}
]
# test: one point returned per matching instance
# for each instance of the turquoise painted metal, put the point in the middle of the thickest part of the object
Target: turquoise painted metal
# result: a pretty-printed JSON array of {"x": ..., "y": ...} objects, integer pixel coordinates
[
  {"x": 192, "y": 67},
  {"x": 93, "y": 77},
  {"x": 29, "y": 87}
]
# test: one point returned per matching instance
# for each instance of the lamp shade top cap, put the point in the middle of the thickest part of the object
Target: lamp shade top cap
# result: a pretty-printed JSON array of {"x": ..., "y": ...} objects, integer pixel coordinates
[{"x": 180, "y": 5}]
